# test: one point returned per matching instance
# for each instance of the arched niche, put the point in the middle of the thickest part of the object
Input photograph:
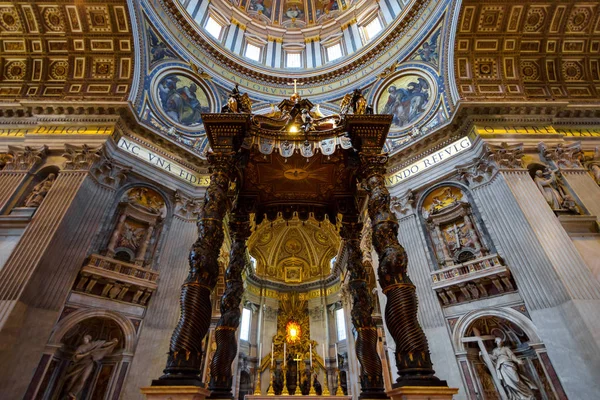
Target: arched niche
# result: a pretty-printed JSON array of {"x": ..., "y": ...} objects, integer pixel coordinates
[
  {"x": 88, "y": 349},
  {"x": 134, "y": 238},
  {"x": 35, "y": 190},
  {"x": 466, "y": 267},
  {"x": 474, "y": 337}
]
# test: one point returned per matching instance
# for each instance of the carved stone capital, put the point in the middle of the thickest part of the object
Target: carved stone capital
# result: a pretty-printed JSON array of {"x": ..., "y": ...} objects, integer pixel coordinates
[
  {"x": 404, "y": 204},
  {"x": 187, "y": 207},
  {"x": 479, "y": 171},
  {"x": 109, "y": 173},
  {"x": 81, "y": 157},
  {"x": 507, "y": 156},
  {"x": 563, "y": 156},
  {"x": 25, "y": 158}
]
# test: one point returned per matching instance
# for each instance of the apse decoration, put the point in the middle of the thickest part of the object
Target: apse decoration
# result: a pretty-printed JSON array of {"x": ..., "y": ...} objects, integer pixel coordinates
[
  {"x": 407, "y": 98},
  {"x": 182, "y": 99}
]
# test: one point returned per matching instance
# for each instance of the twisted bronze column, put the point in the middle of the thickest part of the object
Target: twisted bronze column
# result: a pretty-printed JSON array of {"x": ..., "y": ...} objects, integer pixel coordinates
[
  {"x": 220, "y": 367},
  {"x": 371, "y": 377},
  {"x": 185, "y": 351},
  {"x": 412, "y": 350}
]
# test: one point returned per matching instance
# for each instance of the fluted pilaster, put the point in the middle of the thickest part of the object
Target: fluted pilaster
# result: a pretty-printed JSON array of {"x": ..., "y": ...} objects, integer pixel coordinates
[
  {"x": 39, "y": 273},
  {"x": 160, "y": 319}
]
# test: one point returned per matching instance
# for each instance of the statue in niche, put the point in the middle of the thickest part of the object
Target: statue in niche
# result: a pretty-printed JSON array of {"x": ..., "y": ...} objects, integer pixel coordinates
[
  {"x": 83, "y": 363},
  {"x": 131, "y": 236},
  {"x": 516, "y": 385},
  {"x": 556, "y": 194},
  {"x": 39, "y": 192}
]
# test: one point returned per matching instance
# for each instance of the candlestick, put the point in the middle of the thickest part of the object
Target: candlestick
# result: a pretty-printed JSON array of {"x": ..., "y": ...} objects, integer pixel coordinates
[
  {"x": 311, "y": 382},
  {"x": 284, "y": 352},
  {"x": 272, "y": 353},
  {"x": 310, "y": 355},
  {"x": 338, "y": 390},
  {"x": 271, "y": 391}
]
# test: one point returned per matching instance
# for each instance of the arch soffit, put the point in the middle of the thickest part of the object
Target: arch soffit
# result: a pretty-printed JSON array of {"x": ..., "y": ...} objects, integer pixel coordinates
[
  {"x": 78, "y": 316},
  {"x": 506, "y": 313}
]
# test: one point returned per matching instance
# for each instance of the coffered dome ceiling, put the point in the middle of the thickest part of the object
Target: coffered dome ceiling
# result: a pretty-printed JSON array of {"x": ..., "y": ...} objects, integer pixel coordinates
[{"x": 293, "y": 251}]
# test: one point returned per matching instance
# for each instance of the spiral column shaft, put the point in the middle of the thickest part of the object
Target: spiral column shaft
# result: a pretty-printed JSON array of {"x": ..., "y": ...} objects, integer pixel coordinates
[
  {"x": 371, "y": 377},
  {"x": 412, "y": 350},
  {"x": 221, "y": 377},
  {"x": 185, "y": 350}
]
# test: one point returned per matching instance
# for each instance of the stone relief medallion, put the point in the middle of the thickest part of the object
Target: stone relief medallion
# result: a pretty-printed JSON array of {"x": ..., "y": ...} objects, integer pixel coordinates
[
  {"x": 408, "y": 97},
  {"x": 181, "y": 99}
]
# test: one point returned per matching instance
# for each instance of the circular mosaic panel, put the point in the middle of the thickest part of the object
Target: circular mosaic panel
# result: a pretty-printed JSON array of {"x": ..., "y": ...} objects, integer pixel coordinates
[
  {"x": 408, "y": 98},
  {"x": 182, "y": 100}
]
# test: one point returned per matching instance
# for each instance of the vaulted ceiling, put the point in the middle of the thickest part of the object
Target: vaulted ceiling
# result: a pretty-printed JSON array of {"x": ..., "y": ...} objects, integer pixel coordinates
[
  {"x": 534, "y": 50},
  {"x": 66, "y": 50}
]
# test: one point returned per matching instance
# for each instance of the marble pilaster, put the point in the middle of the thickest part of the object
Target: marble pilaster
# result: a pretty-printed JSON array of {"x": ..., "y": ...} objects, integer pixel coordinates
[
  {"x": 161, "y": 319},
  {"x": 430, "y": 314},
  {"x": 560, "y": 293},
  {"x": 40, "y": 272}
]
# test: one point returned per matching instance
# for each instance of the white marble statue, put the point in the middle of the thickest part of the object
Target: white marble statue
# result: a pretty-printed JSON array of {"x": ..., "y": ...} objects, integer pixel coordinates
[
  {"x": 83, "y": 363},
  {"x": 549, "y": 188},
  {"x": 516, "y": 385}
]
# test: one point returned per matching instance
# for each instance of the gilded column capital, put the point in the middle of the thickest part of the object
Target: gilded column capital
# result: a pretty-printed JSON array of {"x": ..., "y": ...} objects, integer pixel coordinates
[
  {"x": 81, "y": 158},
  {"x": 24, "y": 158},
  {"x": 373, "y": 164},
  {"x": 568, "y": 156}
]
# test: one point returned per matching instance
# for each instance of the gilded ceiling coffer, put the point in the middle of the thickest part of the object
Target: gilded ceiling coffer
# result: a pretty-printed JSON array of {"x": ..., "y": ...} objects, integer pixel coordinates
[
  {"x": 413, "y": 359},
  {"x": 225, "y": 332},
  {"x": 371, "y": 378},
  {"x": 185, "y": 351}
]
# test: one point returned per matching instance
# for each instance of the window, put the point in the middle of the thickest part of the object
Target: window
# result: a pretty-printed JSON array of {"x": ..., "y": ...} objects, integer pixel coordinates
[
  {"x": 340, "y": 322},
  {"x": 293, "y": 60},
  {"x": 334, "y": 52},
  {"x": 252, "y": 52},
  {"x": 245, "y": 326},
  {"x": 213, "y": 27},
  {"x": 372, "y": 29}
]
